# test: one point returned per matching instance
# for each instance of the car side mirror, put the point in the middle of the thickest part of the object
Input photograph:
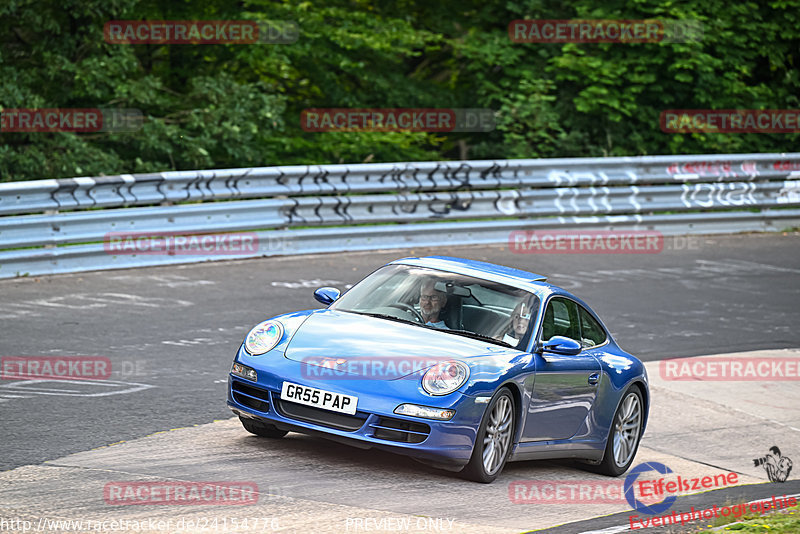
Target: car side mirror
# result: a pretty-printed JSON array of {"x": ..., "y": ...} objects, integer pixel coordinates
[
  {"x": 561, "y": 345},
  {"x": 327, "y": 295}
]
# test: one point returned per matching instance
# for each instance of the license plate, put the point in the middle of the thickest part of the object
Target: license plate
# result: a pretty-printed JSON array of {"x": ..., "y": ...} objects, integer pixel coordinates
[{"x": 319, "y": 398}]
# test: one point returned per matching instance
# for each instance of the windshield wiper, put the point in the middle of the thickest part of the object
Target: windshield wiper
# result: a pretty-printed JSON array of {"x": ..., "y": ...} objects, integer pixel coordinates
[
  {"x": 384, "y": 316},
  {"x": 473, "y": 335}
]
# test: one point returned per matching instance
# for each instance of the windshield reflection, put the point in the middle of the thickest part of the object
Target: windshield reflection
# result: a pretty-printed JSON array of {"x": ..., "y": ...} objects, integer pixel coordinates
[{"x": 445, "y": 301}]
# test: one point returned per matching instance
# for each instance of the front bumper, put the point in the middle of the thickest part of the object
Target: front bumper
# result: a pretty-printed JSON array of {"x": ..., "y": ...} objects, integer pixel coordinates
[{"x": 445, "y": 443}]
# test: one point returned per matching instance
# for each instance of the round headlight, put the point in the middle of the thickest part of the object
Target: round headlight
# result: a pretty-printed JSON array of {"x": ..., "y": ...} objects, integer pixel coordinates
[
  {"x": 445, "y": 377},
  {"x": 263, "y": 337}
]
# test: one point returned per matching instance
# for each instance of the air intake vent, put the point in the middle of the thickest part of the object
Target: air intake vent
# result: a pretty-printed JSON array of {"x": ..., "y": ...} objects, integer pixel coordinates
[
  {"x": 320, "y": 417},
  {"x": 392, "y": 429},
  {"x": 250, "y": 396}
]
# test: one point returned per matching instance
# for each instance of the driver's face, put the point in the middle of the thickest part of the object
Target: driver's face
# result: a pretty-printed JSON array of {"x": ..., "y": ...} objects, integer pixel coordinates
[{"x": 430, "y": 300}]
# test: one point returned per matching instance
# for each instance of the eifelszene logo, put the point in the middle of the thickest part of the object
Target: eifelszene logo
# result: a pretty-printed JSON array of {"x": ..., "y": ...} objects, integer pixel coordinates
[
  {"x": 777, "y": 467},
  {"x": 630, "y": 480}
]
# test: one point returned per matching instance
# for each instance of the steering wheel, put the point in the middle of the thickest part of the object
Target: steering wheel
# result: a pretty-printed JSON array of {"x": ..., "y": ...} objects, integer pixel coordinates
[{"x": 406, "y": 307}]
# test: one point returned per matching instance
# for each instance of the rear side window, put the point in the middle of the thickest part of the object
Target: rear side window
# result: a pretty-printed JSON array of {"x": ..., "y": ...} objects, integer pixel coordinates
[
  {"x": 592, "y": 334},
  {"x": 561, "y": 319}
]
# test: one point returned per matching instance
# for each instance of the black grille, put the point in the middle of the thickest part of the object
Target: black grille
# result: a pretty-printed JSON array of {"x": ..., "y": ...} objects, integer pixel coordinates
[
  {"x": 392, "y": 429},
  {"x": 320, "y": 417},
  {"x": 250, "y": 396}
]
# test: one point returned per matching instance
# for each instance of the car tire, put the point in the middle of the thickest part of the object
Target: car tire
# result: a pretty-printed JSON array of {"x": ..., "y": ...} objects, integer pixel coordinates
[
  {"x": 262, "y": 429},
  {"x": 496, "y": 430},
  {"x": 623, "y": 436}
]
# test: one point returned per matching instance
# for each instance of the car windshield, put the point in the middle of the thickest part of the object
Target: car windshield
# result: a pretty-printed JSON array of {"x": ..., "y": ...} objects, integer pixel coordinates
[{"x": 453, "y": 303}]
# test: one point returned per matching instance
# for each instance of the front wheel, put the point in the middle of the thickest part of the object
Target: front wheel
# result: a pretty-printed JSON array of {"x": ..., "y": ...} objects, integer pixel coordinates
[
  {"x": 261, "y": 429},
  {"x": 494, "y": 440},
  {"x": 624, "y": 436}
]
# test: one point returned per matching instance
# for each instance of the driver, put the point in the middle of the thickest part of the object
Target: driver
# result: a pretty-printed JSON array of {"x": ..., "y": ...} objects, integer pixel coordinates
[
  {"x": 520, "y": 320},
  {"x": 431, "y": 302}
]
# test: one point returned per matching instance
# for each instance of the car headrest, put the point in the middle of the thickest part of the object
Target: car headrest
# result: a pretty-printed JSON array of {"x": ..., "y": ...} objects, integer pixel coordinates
[{"x": 452, "y": 312}]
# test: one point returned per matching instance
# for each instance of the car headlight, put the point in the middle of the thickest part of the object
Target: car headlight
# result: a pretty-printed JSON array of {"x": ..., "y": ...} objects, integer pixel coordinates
[
  {"x": 263, "y": 337},
  {"x": 445, "y": 377}
]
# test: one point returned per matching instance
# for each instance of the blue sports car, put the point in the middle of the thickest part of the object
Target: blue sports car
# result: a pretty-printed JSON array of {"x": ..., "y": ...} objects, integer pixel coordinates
[{"x": 461, "y": 364}]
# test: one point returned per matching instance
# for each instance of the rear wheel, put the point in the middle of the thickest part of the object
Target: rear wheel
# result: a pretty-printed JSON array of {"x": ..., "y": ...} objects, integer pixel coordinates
[
  {"x": 494, "y": 439},
  {"x": 623, "y": 439},
  {"x": 261, "y": 429}
]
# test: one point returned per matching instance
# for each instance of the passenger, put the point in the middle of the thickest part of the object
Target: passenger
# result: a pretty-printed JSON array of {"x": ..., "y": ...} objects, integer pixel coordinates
[
  {"x": 520, "y": 321},
  {"x": 431, "y": 302}
]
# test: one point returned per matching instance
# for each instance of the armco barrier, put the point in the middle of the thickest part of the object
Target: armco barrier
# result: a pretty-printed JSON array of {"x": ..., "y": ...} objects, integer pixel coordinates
[{"x": 57, "y": 226}]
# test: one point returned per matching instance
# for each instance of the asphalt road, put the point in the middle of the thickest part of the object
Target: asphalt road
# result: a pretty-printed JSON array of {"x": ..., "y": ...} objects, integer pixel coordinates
[{"x": 170, "y": 332}]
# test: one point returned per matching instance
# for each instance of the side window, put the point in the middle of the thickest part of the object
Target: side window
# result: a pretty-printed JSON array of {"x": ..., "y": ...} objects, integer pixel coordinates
[
  {"x": 592, "y": 333},
  {"x": 561, "y": 319}
]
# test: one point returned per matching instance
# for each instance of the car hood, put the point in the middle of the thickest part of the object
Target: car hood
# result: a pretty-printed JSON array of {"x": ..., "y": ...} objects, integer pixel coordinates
[{"x": 352, "y": 344}]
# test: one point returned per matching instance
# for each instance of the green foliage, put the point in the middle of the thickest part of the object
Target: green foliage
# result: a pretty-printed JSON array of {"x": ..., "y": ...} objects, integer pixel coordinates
[{"x": 234, "y": 105}]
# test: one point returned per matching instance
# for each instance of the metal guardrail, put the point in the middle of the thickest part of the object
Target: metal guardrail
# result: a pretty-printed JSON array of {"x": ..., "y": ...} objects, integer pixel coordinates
[{"x": 54, "y": 226}]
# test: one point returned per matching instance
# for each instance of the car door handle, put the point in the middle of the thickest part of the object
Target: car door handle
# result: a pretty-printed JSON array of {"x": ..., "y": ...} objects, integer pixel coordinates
[{"x": 594, "y": 378}]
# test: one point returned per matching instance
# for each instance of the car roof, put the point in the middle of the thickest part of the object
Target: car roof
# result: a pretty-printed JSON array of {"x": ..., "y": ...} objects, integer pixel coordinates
[{"x": 480, "y": 269}]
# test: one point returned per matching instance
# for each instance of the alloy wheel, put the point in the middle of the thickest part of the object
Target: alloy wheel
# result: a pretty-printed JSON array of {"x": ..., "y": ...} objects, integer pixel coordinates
[
  {"x": 626, "y": 429},
  {"x": 498, "y": 436}
]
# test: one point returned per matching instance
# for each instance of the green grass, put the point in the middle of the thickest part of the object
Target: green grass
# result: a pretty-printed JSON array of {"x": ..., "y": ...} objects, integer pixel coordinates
[{"x": 786, "y": 521}]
